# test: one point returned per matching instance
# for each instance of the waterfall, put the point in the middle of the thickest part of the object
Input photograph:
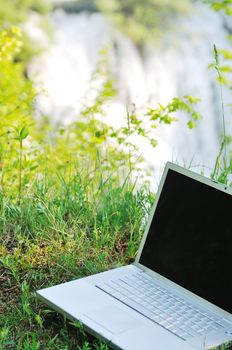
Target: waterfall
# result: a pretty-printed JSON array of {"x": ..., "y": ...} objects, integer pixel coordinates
[{"x": 177, "y": 66}]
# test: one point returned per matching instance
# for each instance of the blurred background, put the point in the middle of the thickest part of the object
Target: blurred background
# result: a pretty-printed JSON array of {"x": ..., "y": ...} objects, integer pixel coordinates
[{"x": 154, "y": 50}]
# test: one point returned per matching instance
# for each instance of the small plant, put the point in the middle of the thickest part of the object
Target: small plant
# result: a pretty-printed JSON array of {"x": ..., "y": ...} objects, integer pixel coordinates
[
  {"x": 20, "y": 135},
  {"x": 25, "y": 299},
  {"x": 221, "y": 168},
  {"x": 30, "y": 342},
  {"x": 4, "y": 333}
]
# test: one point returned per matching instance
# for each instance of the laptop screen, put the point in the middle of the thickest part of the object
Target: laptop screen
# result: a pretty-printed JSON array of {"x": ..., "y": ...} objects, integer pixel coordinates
[{"x": 190, "y": 239}]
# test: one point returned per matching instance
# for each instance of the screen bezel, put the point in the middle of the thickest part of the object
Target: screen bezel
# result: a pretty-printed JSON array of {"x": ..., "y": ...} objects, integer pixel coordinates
[{"x": 203, "y": 180}]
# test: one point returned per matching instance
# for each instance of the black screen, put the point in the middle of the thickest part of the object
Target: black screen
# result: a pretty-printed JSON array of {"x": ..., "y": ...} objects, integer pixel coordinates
[{"x": 190, "y": 239}]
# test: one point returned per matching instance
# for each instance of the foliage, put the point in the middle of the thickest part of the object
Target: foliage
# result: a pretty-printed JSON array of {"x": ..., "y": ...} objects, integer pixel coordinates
[
  {"x": 222, "y": 65},
  {"x": 164, "y": 113},
  {"x": 224, "y": 69},
  {"x": 143, "y": 21},
  {"x": 225, "y": 77},
  {"x": 221, "y": 157},
  {"x": 89, "y": 141},
  {"x": 16, "y": 103},
  {"x": 218, "y": 5},
  {"x": 16, "y": 11},
  {"x": 64, "y": 227}
]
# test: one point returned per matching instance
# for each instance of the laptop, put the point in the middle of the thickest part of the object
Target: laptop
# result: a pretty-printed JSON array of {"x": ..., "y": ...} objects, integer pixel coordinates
[{"x": 178, "y": 292}]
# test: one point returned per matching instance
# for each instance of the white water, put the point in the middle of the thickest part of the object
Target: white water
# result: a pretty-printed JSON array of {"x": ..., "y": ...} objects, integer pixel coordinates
[{"x": 177, "y": 67}]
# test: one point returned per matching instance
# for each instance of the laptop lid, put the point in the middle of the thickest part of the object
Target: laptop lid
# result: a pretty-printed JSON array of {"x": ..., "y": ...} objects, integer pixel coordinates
[{"x": 189, "y": 235}]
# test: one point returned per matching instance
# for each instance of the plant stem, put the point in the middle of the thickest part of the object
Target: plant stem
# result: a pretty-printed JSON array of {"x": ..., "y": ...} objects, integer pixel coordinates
[
  {"x": 20, "y": 169},
  {"x": 129, "y": 128},
  {"x": 223, "y": 116},
  {"x": 223, "y": 144}
]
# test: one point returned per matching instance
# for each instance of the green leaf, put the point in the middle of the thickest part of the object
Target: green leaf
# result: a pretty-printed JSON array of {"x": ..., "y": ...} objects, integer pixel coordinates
[
  {"x": 24, "y": 132},
  {"x": 191, "y": 124},
  {"x": 153, "y": 142}
]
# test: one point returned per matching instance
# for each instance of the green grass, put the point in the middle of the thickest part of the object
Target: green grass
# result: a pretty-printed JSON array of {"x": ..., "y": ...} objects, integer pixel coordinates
[{"x": 56, "y": 236}]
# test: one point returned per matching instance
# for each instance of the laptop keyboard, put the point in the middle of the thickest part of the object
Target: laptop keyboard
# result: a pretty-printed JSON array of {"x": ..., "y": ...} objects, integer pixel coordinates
[{"x": 140, "y": 292}]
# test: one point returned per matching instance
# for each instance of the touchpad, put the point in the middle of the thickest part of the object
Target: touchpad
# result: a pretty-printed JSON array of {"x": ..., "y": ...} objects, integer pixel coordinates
[{"x": 113, "y": 319}]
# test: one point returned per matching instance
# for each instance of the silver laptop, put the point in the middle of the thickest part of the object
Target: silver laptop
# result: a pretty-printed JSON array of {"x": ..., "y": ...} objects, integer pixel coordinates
[{"x": 178, "y": 292}]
